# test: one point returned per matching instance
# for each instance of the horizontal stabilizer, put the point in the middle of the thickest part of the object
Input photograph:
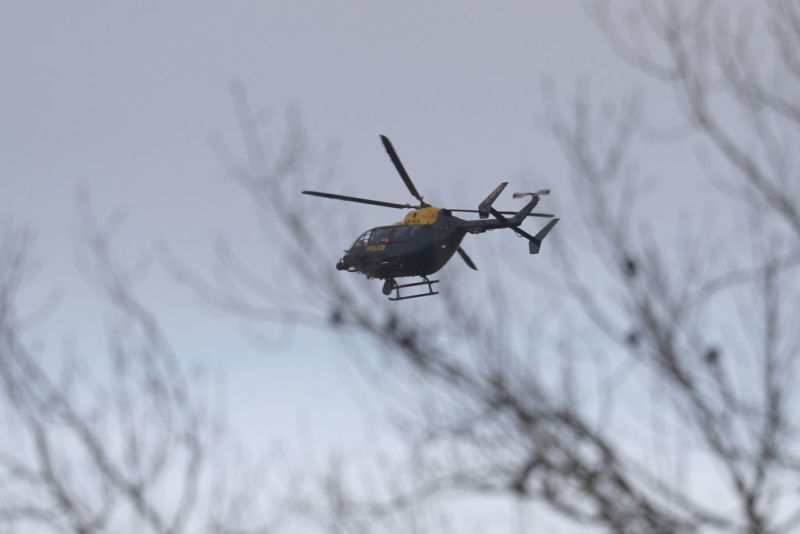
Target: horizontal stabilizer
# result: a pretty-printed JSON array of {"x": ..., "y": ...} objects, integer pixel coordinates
[{"x": 536, "y": 242}]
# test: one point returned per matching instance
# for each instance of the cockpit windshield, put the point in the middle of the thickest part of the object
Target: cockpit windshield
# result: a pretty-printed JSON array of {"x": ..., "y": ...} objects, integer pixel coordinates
[
  {"x": 381, "y": 235},
  {"x": 362, "y": 239}
]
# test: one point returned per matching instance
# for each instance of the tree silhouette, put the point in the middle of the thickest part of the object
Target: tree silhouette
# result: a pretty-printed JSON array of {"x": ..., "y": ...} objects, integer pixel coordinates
[
  {"x": 135, "y": 446},
  {"x": 624, "y": 384},
  {"x": 670, "y": 407}
]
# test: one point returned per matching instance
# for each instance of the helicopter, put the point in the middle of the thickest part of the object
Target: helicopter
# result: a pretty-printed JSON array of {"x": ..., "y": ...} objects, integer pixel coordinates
[{"x": 425, "y": 240}]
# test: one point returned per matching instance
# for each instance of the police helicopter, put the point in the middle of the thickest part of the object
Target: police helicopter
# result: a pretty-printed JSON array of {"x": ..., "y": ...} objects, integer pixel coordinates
[{"x": 425, "y": 240}]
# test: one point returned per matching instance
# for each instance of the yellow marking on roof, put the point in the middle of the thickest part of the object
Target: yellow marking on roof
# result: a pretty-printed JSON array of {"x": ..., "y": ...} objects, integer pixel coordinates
[{"x": 421, "y": 216}]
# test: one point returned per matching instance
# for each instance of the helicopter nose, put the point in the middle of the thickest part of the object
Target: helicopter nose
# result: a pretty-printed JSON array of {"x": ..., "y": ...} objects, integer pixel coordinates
[{"x": 341, "y": 265}]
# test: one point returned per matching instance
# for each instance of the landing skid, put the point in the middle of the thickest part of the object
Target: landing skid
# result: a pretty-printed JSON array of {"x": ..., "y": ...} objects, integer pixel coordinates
[{"x": 391, "y": 285}]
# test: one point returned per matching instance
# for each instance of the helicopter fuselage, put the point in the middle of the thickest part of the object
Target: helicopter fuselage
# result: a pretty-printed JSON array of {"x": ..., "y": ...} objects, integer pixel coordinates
[
  {"x": 414, "y": 247},
  {"x": 426, "y": 253}
]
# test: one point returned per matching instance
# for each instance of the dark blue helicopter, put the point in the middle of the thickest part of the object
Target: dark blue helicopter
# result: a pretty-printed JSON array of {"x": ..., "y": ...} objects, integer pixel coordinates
[{"x": 425, "y": 240}]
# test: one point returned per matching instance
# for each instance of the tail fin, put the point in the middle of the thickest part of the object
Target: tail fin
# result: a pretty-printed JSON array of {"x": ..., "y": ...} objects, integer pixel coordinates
[
  {"x": 483, "y": 207},
  {"x": 536, "y": 242}
]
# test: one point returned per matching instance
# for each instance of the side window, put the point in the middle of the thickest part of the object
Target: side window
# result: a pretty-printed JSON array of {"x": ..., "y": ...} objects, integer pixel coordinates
[
  {"x": 380, "y": 235},
  {"x": 402, "y": 233}
]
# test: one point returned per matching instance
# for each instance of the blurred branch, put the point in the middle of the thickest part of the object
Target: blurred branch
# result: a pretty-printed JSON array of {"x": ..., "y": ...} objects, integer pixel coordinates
[{"x": 97, "y": 452}]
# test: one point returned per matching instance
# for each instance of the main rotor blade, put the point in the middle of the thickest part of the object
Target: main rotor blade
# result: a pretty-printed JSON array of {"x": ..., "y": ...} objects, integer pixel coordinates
[
  {"x": 361, "y": 200},
  {"x": 400, "y": 169},
  {"x": 507, "y": 213},
  {"x": 466, "y": 258}
]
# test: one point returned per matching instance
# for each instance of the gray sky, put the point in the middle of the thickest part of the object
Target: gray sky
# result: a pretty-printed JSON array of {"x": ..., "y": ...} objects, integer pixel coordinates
[{"x": 121, "y": 98}]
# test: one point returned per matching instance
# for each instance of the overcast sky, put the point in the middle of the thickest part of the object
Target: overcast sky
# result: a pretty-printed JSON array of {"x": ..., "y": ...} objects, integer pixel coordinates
[{"x": 120, "y": 98}]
